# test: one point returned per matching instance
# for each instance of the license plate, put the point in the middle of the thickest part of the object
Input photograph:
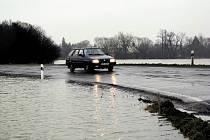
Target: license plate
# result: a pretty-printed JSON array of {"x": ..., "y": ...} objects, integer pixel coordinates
[{"x": 104, "y": 64}]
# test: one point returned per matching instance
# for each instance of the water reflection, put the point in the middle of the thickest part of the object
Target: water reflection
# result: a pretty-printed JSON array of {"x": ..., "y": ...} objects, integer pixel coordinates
[
  {"x": 101, "y": 100},
  {"x": 114, "y": 79},
  {"x": 97, "y": 102},
  {"x": 113, "y": 107},
  {"x": 55, "y": 109},
  {"x": 98, "y": 111},
  {"x": 114, "y": 82},
  {"x": 98, "y": 78}
]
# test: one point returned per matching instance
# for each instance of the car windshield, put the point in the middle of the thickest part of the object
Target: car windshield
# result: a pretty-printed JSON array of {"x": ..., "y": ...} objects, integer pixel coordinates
[{"x": 93, "y": 52}]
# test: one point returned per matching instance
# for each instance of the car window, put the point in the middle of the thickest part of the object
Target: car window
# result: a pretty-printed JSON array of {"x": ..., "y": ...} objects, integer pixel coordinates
[
  {"x": 70, "y": 54},
  {"x": 81, "y": 52},
  {"x": 94, "y": 51},
  {"x": 75, "y": 53}
]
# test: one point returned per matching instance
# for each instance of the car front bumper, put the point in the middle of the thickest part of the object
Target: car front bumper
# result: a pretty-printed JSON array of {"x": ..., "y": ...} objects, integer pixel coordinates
[{"x": 102, "y": 65}]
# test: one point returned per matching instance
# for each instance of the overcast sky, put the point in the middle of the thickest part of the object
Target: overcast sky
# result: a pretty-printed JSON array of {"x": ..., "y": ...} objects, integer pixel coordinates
[{"x": 78, "y": 20}]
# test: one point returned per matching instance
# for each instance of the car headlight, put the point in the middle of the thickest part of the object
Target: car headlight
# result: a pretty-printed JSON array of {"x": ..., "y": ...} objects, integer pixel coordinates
[
  {"x": 112, "y": 60},
  {"x": 95, "y": 61}
]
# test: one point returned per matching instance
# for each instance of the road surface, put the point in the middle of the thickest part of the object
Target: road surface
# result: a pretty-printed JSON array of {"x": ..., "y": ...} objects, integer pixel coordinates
[{"x": 188, "y": 84}]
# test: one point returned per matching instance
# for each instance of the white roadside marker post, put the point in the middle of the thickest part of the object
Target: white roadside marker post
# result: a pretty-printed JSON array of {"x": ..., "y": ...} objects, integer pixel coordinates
[
  {"x": 42, "y": 71},
  {"x": 192, "y": 57}
]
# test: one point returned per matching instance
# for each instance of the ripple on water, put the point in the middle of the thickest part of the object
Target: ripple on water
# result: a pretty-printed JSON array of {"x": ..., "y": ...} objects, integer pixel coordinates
[{"x": 46, "y": 109}]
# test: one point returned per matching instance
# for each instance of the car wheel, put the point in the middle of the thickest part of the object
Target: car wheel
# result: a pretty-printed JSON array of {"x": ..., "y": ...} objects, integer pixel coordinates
[
  {"x": 88, "y": 68},
  {"x": 69, "y": 66},
  {"x": 110, "y": 68},
  {"x": 72, "y": 68}
]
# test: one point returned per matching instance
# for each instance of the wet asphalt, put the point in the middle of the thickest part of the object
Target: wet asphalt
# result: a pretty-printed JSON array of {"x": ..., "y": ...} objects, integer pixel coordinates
[{"x": 188, "y": 84}]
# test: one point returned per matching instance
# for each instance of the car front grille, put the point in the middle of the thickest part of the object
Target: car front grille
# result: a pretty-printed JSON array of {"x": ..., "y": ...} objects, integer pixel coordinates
[{"x": 104, "y": 60}]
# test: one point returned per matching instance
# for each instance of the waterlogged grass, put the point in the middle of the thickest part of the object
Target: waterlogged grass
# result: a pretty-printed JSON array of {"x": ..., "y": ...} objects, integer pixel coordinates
[{"x": 189, "y": 125}]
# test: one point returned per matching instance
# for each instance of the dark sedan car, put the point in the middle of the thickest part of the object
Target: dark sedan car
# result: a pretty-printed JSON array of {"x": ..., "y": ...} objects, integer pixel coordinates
[{"x": 89, "y": 59}]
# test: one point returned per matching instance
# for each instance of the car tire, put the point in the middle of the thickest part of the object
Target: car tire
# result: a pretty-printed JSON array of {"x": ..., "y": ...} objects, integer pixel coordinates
[
  {"x": 88, "y": 68},
  {"x": 72, "y": 68},
  {"x": 110, "y": 68}
]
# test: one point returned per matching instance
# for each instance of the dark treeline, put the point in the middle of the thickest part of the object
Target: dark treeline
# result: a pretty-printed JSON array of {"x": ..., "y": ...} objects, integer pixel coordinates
[
  {"x": 25, "y": 43},
  {"x": 169, "y": 45}
]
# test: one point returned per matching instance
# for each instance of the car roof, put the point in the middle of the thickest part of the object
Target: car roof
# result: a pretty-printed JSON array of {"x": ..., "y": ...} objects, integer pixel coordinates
[{"x": 85, "y": 48}]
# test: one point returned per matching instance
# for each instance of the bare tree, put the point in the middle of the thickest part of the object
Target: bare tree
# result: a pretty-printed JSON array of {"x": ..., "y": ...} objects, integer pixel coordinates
[
  {"x": 179, "y": 40},
  {"x": 162, "y": 36},
  {"x": 170, "y": 46},
  {"x": 124, "y": 42},
  {"x": 109, "y": 45},
  {"x": 142, "y": 47}
]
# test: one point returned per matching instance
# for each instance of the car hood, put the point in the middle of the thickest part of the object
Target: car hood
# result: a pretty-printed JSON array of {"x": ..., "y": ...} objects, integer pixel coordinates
[{"x": 101, "y": 57}]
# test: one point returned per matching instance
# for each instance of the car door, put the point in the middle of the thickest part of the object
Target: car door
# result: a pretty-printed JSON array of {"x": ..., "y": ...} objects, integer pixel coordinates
[
  {"x": 81, "y": 58},
  {"x": 74, "y": 57}
]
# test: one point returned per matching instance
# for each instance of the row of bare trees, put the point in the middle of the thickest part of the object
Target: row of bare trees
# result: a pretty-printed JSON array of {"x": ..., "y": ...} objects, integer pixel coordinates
[
  {"x": 169, "y": 45},
  {"x": 125, "y": 46},
  {"x": 66, "y": 47}
]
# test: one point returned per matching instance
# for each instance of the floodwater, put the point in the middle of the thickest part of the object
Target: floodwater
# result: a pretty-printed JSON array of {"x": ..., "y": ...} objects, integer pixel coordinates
[
  {"x": 188, "y": 84},
  {"x": 156, "y": 61},
  {"x": 164, "y": 61},
  {"x": 56, "y": 108}
]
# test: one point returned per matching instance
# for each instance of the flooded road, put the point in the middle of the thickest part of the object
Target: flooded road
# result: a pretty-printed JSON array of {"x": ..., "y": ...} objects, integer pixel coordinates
[
  {"x": 54, "y": 108},
  {"x": 188, "y": 84},
  {"x": 99, "y": 105}
]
